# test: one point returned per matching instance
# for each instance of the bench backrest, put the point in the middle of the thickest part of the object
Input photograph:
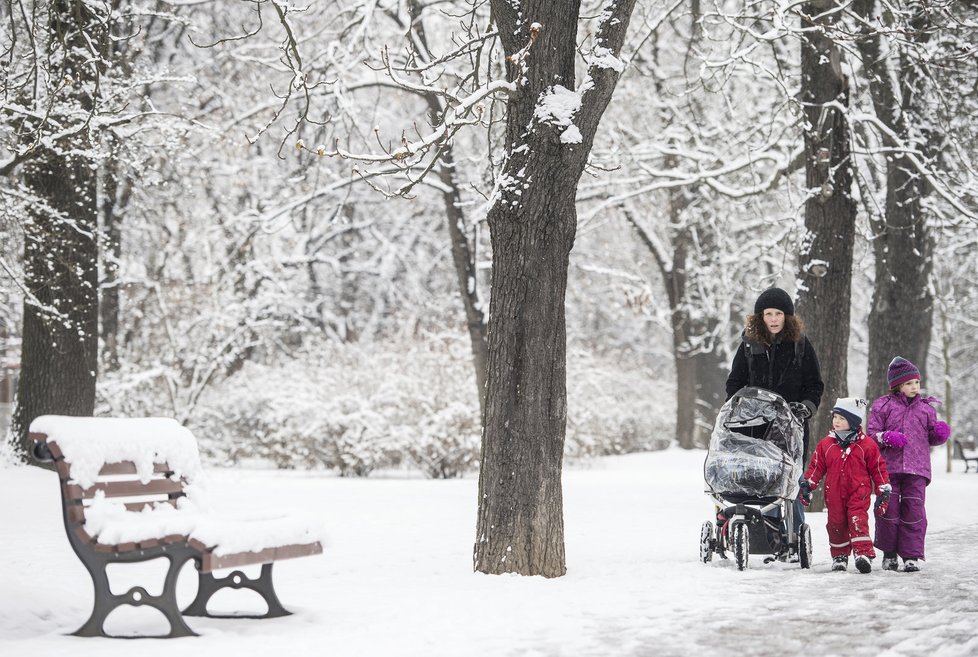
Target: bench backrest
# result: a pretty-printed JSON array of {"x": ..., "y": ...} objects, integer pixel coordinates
[
  {"x": 120, "y": 481},
  {"x": 959, "y": 448},
  {"x": 122, "y": 460}
]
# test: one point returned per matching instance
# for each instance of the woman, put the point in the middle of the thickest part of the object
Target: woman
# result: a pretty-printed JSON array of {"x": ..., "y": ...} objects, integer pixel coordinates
[{"x": 777, "y": 356}]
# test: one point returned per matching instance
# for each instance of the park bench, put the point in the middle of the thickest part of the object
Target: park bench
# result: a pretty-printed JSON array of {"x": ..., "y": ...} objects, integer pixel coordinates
[
  {"x": 129, "y": 495},
  {"x": 968, "y": 456}
]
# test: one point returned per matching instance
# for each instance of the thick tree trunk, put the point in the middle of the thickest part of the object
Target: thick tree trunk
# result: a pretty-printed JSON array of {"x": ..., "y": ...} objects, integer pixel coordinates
[
  {"x": 59, "y": 353},
  {"x": 60, "y": 337},
  {"x": 901, "y": 316},
  {"x": 825, "y": 261},
  {"x": 520, "y": 527},
  {"x": 521, "y": 509}
]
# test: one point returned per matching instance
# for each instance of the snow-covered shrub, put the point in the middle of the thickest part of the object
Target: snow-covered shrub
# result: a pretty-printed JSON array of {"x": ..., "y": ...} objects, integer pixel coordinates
[
  {"x": 365, "y": 406},
  {"x": 447, "y": 444},
  {"x": 356, "y": 439},
  {"x": 354, "y": 408},
  {"x": 615, "y": 405}
]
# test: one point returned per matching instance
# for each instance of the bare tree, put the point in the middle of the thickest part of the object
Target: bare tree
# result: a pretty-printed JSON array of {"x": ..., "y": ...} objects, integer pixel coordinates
[
  {"x": 900, "y": 321},
  {"x": 533, "y": 220},
  {"x": 58, "y": 96},
  {"x": 825, "y": 259}
]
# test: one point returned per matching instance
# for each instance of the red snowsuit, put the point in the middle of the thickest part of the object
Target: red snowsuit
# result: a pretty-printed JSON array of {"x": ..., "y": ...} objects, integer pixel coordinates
[{"x": 851, "y": 475}]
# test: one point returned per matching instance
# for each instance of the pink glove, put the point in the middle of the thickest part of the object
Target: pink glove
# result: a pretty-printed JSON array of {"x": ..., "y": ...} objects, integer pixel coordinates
[
  {"x": 941, "y": 432},
  {"x": 894, "y": 439}
]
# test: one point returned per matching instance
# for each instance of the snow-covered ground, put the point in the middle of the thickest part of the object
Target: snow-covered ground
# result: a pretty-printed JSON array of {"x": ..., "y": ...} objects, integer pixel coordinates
[{"x": 396, "y": 579}]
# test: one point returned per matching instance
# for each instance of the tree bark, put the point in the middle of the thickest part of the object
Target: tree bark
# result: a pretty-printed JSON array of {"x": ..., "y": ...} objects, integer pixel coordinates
[
  {"x": 60, "y": 337},
  {"x": 825, "y": 260},
  {"x": 532, "y": 225},
  {"x": 59, "y": 354},
  {"x": 901, "y": 316}
]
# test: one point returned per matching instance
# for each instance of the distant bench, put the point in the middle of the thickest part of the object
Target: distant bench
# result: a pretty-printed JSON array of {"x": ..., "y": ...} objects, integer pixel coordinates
[
  {"x": 968, "y": 456},
  {"x": 126, "y": 499}
]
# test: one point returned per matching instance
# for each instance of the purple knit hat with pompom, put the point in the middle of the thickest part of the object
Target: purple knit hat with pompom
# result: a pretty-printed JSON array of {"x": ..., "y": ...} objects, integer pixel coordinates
[{"x": 900, "y": 371}]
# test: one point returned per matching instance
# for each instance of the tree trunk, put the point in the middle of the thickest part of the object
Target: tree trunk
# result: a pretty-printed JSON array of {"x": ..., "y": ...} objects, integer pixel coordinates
[
  {"x": 60, "y": 337},
  {"x": 463, "y": 254},
  {"x": 901, "y": 315},
  {"x": 711, "y": 376},
  {"x": 825, "y": 261},
  {"x": 59, "y": 354},
  {"x": 532, "y": 224},
  {"x": 465, "y": 269},
  {"x": 521, "y": 526},
  {"x": 699, "y": 373}
]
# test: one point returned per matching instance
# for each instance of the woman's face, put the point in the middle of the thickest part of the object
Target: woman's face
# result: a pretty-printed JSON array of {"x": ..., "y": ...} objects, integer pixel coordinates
[{"x": 773, "y": 320}]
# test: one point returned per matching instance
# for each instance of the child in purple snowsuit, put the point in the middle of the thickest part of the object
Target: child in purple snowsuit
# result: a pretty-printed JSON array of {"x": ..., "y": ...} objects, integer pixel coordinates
[{"x": 906, "y": 426}]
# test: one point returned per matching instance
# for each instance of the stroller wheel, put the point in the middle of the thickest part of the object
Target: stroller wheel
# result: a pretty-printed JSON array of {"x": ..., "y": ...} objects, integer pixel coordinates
[
  {"x": 706, "y": 542},
  {"x": 740, "y": 541},
  {"x": 805, "y": 546}
]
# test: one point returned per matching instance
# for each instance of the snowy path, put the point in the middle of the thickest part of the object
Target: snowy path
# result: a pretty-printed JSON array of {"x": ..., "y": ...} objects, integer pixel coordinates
[{"x": 397, "y": 581}]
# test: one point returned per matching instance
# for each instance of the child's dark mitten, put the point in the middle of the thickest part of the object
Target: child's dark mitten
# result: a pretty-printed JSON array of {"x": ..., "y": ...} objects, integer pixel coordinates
[
  {"x": 805, "y": 494},
  {"x": 882, "y": 500}
]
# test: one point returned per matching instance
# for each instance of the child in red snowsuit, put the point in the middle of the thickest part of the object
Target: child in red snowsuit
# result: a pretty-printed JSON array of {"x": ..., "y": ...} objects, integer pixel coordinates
[{"x": 853, "y": 469}]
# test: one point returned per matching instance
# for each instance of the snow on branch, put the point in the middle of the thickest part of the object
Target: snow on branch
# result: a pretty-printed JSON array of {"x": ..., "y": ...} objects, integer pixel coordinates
[
  {"x": 915, "y": 158},
  {"x": 461, "y": 111},
  {"x": 604, "y": 65}
]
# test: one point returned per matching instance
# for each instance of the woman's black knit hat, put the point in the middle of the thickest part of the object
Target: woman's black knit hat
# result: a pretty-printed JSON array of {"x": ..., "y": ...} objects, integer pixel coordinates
[{"x": 774, "y": 297}]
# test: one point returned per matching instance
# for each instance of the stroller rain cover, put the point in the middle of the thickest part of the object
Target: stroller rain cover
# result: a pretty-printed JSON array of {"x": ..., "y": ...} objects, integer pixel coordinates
[{"x": 756, "y": 447}]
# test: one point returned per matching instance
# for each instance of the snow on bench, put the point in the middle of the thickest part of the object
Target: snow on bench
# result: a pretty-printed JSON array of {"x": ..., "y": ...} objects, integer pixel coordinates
[{"x": 131, "y": 492}]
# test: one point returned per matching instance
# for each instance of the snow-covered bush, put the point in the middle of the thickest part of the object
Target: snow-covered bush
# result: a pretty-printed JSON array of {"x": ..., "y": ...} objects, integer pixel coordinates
[
  {"x": 616, "y": 406},
  {"x": 447, "y": 444},
  {"x": 359, "y": 407},
  {"x": 354, "y": 408}
]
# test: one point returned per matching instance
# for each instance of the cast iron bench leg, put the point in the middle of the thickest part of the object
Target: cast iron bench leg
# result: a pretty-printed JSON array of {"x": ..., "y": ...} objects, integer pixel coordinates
[
  {"x": 106, "y": 602},
  {"x": 208, "y": 585}
]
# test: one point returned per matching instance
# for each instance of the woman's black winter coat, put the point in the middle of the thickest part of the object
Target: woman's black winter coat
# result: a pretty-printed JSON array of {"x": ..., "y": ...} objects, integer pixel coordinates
[{"x": 774, "y": 368}]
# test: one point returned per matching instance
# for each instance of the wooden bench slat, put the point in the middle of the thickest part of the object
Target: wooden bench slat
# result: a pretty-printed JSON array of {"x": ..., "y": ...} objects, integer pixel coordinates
[
  {"x": 131, "y": 488},
  {"x": 139, "y": 506},
  {"x": 129, "y": 468},
  {"x": 211, "y": 561}
]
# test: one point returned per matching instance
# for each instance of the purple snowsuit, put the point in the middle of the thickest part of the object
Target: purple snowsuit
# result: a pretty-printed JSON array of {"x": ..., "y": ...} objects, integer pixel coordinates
[{"x": 903, "y": 528}]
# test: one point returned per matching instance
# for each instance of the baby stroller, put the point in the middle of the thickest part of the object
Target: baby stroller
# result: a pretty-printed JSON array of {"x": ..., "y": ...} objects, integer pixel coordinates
[{"x": 752, "y": 470}]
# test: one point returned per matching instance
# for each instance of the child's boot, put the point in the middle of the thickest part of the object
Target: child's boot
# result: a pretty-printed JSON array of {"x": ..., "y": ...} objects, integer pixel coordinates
[
  {"x": 840, "y": 562},
  {"x": 889, "y": 561},
  {"x": 910, "y": 566},
  {"x": 863, "y": 564}
]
